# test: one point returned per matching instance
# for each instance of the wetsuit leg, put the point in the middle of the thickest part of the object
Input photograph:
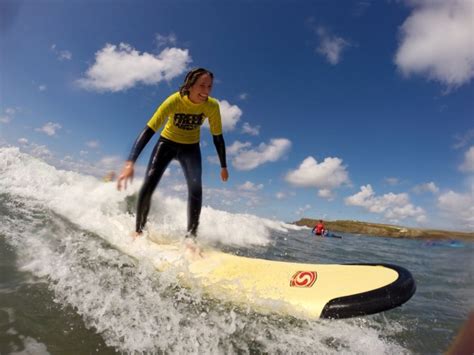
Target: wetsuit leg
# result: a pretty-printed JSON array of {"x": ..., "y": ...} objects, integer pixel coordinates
[
  {"x": 190, "y": 159},
  {"x": 161, "y": 156}
]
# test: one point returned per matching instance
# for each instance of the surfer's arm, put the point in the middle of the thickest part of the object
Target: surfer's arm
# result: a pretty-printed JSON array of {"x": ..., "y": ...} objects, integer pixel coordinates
[
  {"x": 140, "y": 143},
  {"x": 128, "y": 169},
  {"x": 220, "y": 148}
]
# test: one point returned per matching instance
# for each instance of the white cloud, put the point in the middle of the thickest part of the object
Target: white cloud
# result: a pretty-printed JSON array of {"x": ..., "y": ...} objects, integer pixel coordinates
[
  {"x": 92, "y": 144},
  {"x": 280, "y": 195},
  {"x": 237, "y": 147},
  {"x": 243, "y": 96},
  {"x": 426, "y": 187},
  {"x": 361, "y": 7},
  {"x": 61, "y": 54},
  {"x": 42, "y": 88},
  {"x": 437, "y": 42},
  {"x": 366, "y": 198},
  {"x": 468, "y": 164},
  {"x": 250, "y": 186},
  {"x": 459, "y": 208},
  {"x": 326, "y": 194},
  {"x": 235, "y": 199},
  {"x": 394, "y": 206},
  {"x": 230, "y": 115},
  {"x": 5, "y": 119},
  {"x": 325, "y": 176},
  {"x": 8, "y": 116},
  {"x": 164, "y": 41},
  {"x": 65, "y": 55},
  {"x": 331, "y": 46},
  {"x": 252, "y": 158},
  {"x": 40, "y": 151},
  {"x": 110, "y": 162},
  {"x": 49, "y": 128},
  {"x": 302, "y": 210},
  {"x": 222, "y": 197},
  {"x": 253, "y": 131},
  {"x": 463, "y": 139},
  {"x": 213, "y": 159},
  {"x": 397, "y": 213},
  {"x": 118, "y": 68},
  {"x": 98, "y": 168},
  {"x": 180, "y": 187},
  {"x": 392, "y": 181}
]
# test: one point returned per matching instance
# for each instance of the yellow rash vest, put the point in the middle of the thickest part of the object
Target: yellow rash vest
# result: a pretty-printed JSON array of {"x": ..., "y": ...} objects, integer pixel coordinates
[{"x": 184, "y": 118}]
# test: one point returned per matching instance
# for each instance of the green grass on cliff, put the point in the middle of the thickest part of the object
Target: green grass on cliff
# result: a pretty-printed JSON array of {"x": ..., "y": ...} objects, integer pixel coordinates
[{"x": 385, "y": 230}]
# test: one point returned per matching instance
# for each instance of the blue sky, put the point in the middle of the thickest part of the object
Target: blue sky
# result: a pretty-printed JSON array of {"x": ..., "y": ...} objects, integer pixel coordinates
[{"x": 336, "y": 110}]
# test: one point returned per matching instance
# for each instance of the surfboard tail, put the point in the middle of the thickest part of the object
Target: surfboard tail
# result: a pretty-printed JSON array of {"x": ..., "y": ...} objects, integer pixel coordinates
[{"x": 374, "y": 301}]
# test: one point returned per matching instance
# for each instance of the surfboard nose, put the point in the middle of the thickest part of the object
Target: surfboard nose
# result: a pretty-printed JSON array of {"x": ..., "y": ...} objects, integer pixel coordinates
[{"x": 374, "y": 301}]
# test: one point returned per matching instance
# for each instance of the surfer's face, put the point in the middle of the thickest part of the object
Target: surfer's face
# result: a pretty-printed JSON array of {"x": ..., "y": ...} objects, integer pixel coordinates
[{"x": 200, "y": 91}]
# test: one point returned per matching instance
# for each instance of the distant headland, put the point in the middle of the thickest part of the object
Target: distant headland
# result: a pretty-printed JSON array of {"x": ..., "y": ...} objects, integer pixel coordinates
[{"x": 386, "y": 230}]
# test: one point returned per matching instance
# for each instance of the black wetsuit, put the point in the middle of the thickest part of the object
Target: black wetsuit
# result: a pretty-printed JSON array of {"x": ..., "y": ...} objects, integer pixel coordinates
[{"x": 189, "y": 156}]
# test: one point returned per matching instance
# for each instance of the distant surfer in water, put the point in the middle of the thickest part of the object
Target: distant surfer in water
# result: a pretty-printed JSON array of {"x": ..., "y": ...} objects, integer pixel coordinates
[
  {"x": 319, "y": 228},
  {"x": 183, "y": 114}
]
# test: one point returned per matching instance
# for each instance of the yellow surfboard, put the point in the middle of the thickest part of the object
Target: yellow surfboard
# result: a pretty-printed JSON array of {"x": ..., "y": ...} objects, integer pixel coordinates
[{"x": 295, "y": 289}]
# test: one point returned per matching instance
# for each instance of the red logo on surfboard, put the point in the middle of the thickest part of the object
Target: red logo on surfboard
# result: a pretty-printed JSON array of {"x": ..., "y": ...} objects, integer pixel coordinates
[{"x": 303, "y": 279}]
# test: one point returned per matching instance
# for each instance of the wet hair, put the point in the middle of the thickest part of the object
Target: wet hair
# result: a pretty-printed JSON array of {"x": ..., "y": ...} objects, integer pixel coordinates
[{"x": 191, "y": 78}]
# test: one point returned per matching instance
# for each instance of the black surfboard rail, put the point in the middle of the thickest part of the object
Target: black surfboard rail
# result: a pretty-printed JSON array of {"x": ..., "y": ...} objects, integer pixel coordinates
[{"x": 374, "y": 301}]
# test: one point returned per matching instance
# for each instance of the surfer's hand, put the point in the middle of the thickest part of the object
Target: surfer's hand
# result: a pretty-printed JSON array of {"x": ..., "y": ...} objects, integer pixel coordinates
[
  {"x": 127, "y": 174},
  {"x": 224, "y": 174}
]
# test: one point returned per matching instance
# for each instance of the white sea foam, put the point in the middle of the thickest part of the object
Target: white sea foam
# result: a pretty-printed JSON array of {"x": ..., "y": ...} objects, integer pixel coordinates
[
  {"x": 53, "y": 220},
  {"x": 99, "y": 207},
  {"x": 31, "y": 346},
  {"x": 28, "y": 346}
]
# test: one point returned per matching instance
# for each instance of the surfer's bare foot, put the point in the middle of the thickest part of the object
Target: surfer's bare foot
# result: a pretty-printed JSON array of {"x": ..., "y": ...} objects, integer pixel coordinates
[
  {"x": 191, "y": 248},
  {"x": 136, "y": 235}
]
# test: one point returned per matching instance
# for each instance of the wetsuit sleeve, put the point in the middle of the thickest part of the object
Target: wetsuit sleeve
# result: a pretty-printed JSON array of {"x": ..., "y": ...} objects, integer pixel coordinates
[
  {"x": 215, "y": 120},
  {"x": 140, "y": 143},
  {"x": 220, "y": 147}
]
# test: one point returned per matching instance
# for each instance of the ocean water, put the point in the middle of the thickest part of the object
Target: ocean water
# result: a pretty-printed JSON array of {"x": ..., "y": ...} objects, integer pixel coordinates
[{"x": 66, "y": 288}]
